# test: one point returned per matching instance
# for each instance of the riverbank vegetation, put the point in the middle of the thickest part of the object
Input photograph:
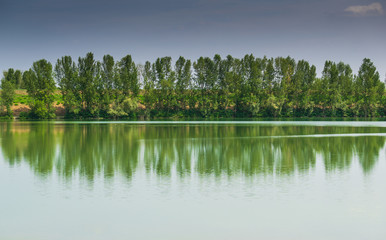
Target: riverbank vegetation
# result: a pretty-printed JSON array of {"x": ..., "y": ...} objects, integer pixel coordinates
[{"x": 206, "y": 88}]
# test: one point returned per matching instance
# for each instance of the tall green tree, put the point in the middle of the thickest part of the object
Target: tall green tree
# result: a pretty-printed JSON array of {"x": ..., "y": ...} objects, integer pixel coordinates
[
  {"x": 108, "y": 82},
  {"x": 149, "y": 83},
  {"x": 369, "y": 87},
  {"x": 18, "y": 79},
  {"x": 128, "y": 76},
  {"x": 331, "y": 97},
  {"x": 303, "y": 81},
  {"x": 183, "y": 77},
  {"x": 166, "y": 79},
  {"x": 89, "y": 81},
  {"x": 14, "y": 76},
  {"x": 269, "y": 76},
  {"x": 66, "y": 74},
  {"x": 345, "y": 80},
  {"x": 7, "y": 94},
  {"x": 40, "y": 86}
]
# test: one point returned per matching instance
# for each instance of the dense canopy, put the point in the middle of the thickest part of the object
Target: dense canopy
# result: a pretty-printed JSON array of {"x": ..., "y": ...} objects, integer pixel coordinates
[{"x": 208, "y": 87}]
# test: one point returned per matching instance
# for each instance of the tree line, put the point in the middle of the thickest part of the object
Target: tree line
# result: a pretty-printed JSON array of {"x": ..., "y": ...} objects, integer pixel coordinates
[{"x": 208, "y": 87}]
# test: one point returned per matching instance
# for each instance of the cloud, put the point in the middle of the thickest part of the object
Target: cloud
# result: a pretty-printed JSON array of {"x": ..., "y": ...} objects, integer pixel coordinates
[{"x": 374, "y": 9}]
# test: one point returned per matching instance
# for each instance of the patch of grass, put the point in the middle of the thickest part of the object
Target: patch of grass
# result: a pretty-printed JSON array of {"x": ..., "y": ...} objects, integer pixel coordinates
[
  {"x": 58, "y": 97},
  {"x": 21, "y": 99}
]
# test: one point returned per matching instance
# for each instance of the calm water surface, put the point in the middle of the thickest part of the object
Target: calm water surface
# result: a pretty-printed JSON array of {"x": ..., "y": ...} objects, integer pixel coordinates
[{"x": 193, "y": 180}]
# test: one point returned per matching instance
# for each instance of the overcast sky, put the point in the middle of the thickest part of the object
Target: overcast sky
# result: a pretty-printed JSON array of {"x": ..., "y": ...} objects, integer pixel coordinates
[{"x": 315, "y": 30}]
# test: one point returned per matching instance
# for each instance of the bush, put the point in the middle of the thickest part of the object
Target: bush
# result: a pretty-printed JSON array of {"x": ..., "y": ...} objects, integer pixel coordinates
[
  {"x": 39, "y": 110},
  {"x": 130, "y": 106},
  {"x": 24, "y": 115}
]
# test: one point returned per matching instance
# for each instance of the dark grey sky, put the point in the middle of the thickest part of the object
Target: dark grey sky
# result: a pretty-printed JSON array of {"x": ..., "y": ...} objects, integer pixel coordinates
[{"x": 315, "y": 30}]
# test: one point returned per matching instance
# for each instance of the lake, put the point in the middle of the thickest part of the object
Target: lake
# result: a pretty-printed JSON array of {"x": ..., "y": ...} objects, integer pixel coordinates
[{"x": 193, "y": 180}]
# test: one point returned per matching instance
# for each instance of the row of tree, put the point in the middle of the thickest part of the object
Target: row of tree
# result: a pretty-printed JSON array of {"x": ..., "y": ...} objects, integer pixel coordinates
[{"x": 208, "y": 87}]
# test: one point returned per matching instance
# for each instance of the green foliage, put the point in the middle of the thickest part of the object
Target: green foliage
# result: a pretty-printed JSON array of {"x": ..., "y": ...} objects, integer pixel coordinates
[
  {"x": 40, "y": 86},
  {"x": 40, "y": 110},
  {"x": 370, "y": 89},
  {"x": 128, "y": 77},
  {"x": 128, "y": 108},
  {"x": 14, "y": 77},
  {"x": 116, "y": 111},
  {"x": 253, "y": 104},
  {"x": 24, "y": 115},
  {"x": 208, "y": 87},
  {"x": 89, "y": 82},
  {"x": 7, "y": 96},
  {"x": 130, "y": 105},
  {"x": 66, "y": 74}
]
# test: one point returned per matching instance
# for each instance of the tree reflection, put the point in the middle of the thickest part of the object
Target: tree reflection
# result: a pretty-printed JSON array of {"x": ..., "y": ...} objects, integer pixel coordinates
[{"x": 110, "y": 149}]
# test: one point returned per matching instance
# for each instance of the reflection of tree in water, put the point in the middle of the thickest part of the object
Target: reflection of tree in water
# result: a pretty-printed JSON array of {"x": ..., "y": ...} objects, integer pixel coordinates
[
  {"x": 93, "y": 149},
  {"x": 35, "y": 143},
  {"x": 13, "y": 143},
  {"x": 368, "y": 151},
  {"x": 110, "y": 149}
]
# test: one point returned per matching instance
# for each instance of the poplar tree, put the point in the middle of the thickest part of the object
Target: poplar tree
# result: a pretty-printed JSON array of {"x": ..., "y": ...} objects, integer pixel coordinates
[
  {"x": 7, "y": 94},
  {"x": 128, "y": 77},
  {"x": 67, "y": 78},
  {"x": 40, "y": 86},
  {"x": 369, "y": 87},
  {"x": 89, "y": 80}
]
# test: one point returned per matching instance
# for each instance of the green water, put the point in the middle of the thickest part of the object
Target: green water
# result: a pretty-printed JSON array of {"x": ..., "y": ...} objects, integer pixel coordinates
[{"x": 192, "y": 180}]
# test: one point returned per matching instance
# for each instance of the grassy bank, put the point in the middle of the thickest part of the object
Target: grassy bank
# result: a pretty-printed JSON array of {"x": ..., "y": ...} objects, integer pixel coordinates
[{"x": 21, "y": 103}]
